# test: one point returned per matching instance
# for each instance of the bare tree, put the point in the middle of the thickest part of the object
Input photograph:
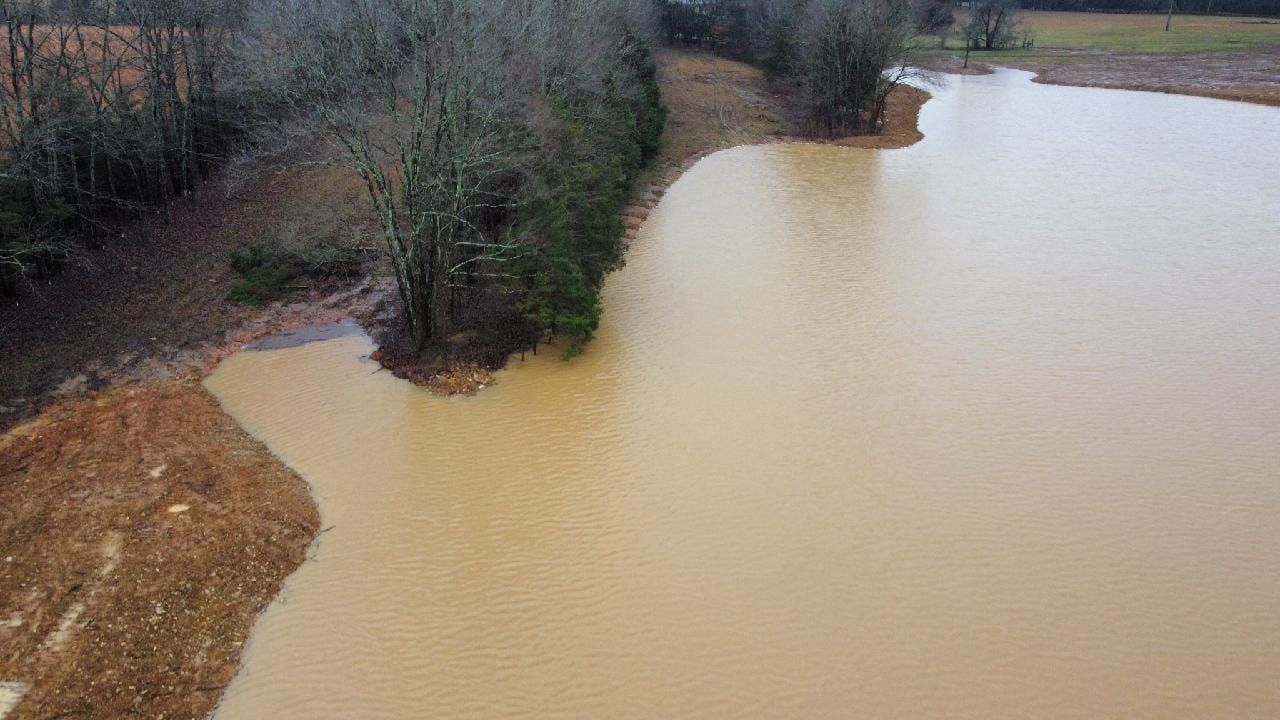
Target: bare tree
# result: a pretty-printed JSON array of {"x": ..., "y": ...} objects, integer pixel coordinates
[
  {"x": 448, "y": 109},
  {"x": 935, "y": 17},
  {"x": 992, "y": 23},
  {"x": 106, "y": 108},
  {"x": 850, "y": 57}
]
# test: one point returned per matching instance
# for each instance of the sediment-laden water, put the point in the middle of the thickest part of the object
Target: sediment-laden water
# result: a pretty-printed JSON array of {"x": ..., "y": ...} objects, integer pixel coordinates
[{"x": 988, "y": 427}]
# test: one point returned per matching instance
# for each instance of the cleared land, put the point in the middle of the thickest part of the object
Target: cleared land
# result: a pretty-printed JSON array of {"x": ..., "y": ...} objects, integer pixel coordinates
[
  {"x": 154, "y": 302},
  {"x": 142, "y": 533},
  {"x": 1224, "y": 57}
]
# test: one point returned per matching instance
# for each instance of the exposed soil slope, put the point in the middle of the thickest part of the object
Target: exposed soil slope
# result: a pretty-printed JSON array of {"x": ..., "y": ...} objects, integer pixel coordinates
[
  {"x": 1247, "y": 77},
  {"x": 142, "y": 533}
]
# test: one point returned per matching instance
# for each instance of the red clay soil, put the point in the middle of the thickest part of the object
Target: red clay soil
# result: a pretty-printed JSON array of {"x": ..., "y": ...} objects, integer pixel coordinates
[{"x": 143, "y": 531}]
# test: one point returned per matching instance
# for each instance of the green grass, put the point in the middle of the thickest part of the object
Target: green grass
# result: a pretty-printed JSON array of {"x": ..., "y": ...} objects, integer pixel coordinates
[
  {"x": 269, "y": 272},
  {"x": 1054, "y": 32}
]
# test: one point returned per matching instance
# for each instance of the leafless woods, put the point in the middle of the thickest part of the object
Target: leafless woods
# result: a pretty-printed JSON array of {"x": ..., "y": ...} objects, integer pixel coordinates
[
  {"x": 496, "y": 138},
  {"x": 846, "y": 55}
]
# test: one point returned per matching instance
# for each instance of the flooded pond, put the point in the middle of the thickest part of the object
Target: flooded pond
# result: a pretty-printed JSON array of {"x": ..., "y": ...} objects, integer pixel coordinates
[{"x": 988, "y": 427}]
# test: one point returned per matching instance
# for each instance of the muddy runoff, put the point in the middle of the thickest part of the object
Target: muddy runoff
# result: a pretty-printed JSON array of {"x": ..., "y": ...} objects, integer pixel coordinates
[{"x": 988, "y": 427}]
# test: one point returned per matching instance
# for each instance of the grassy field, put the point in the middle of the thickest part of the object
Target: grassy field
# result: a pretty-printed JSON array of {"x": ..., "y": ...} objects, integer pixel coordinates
[
  {"x": 1145, "y": 33},
  {"x": 1054, "y": 32},
  {"x": 1233, "y": 58}
]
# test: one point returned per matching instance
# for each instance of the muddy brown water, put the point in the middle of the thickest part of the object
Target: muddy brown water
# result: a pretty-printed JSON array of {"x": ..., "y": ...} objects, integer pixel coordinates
[{"x": 986, "y": 428}]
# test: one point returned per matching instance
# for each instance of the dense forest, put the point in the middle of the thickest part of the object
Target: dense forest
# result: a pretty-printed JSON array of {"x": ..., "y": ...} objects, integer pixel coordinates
[
  {"x": 1208, "y": 7},
  {"x": 844, "y": 56},
  {"x": 497, "y": 139}
]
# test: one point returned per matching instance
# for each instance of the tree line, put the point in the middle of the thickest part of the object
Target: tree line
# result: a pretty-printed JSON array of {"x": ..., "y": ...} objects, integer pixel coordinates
[
  {"x": 105, "y": 109},
  {"x": 1207, "y": 7},
  {"x": 845, "y": 56},
  {"x": 497, "y": 139}
]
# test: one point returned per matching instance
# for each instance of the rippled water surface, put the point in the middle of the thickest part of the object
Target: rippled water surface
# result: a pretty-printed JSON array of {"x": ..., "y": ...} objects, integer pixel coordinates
[{"x": 984, "y": 428}]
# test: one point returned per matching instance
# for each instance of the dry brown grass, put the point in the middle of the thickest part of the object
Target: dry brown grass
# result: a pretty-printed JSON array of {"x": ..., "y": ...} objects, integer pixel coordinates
[
  {"x": 714, "y": 103},
  {"x": 717, "y": 103}
]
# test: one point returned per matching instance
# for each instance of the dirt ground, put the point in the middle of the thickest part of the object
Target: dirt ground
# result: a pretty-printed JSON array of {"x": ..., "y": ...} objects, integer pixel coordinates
[
  {"x": 1244, "y": 77},
  {"x": 716, "y": 103},
  {"x": 1247, "y": 77},
  {"x": 142, "y": 533},
  {"x": 148, "y": 304}
]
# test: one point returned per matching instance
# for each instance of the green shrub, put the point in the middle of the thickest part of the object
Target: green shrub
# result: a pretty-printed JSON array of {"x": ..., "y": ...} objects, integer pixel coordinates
[
  {"x": 270, "y": 272},
  {"x": 576, "y": 207}
]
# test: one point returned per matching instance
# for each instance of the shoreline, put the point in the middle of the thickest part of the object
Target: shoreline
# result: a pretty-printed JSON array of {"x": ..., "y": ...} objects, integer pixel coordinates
[
  {"x": 749, "y": 111},
  {"x": 1194, "y": 75},
  {"x": 155, "y": 437},
  {"x": 156, "y": 481},
  {"x": 150, "y": 531},
  {"x": 146, "y": 465},
  {"x": 714, "y": 104}
]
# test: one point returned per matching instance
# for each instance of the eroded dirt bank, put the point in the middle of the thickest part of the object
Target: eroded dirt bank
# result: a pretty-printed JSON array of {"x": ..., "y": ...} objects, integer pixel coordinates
[
  {"x": 1252, "y": 77},
  {"x": 142, "y": 533}
]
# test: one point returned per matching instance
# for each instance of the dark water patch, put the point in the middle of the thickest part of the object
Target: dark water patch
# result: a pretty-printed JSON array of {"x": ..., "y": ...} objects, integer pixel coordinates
[{"x": 306, "y": 335}]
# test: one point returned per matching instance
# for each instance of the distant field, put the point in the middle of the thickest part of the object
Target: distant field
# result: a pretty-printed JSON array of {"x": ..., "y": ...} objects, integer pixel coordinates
[
  {"x": 1055, "y": 32},
  {"x": 1222, "y": 57},
  {"x": 1145, "y": 33}
]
